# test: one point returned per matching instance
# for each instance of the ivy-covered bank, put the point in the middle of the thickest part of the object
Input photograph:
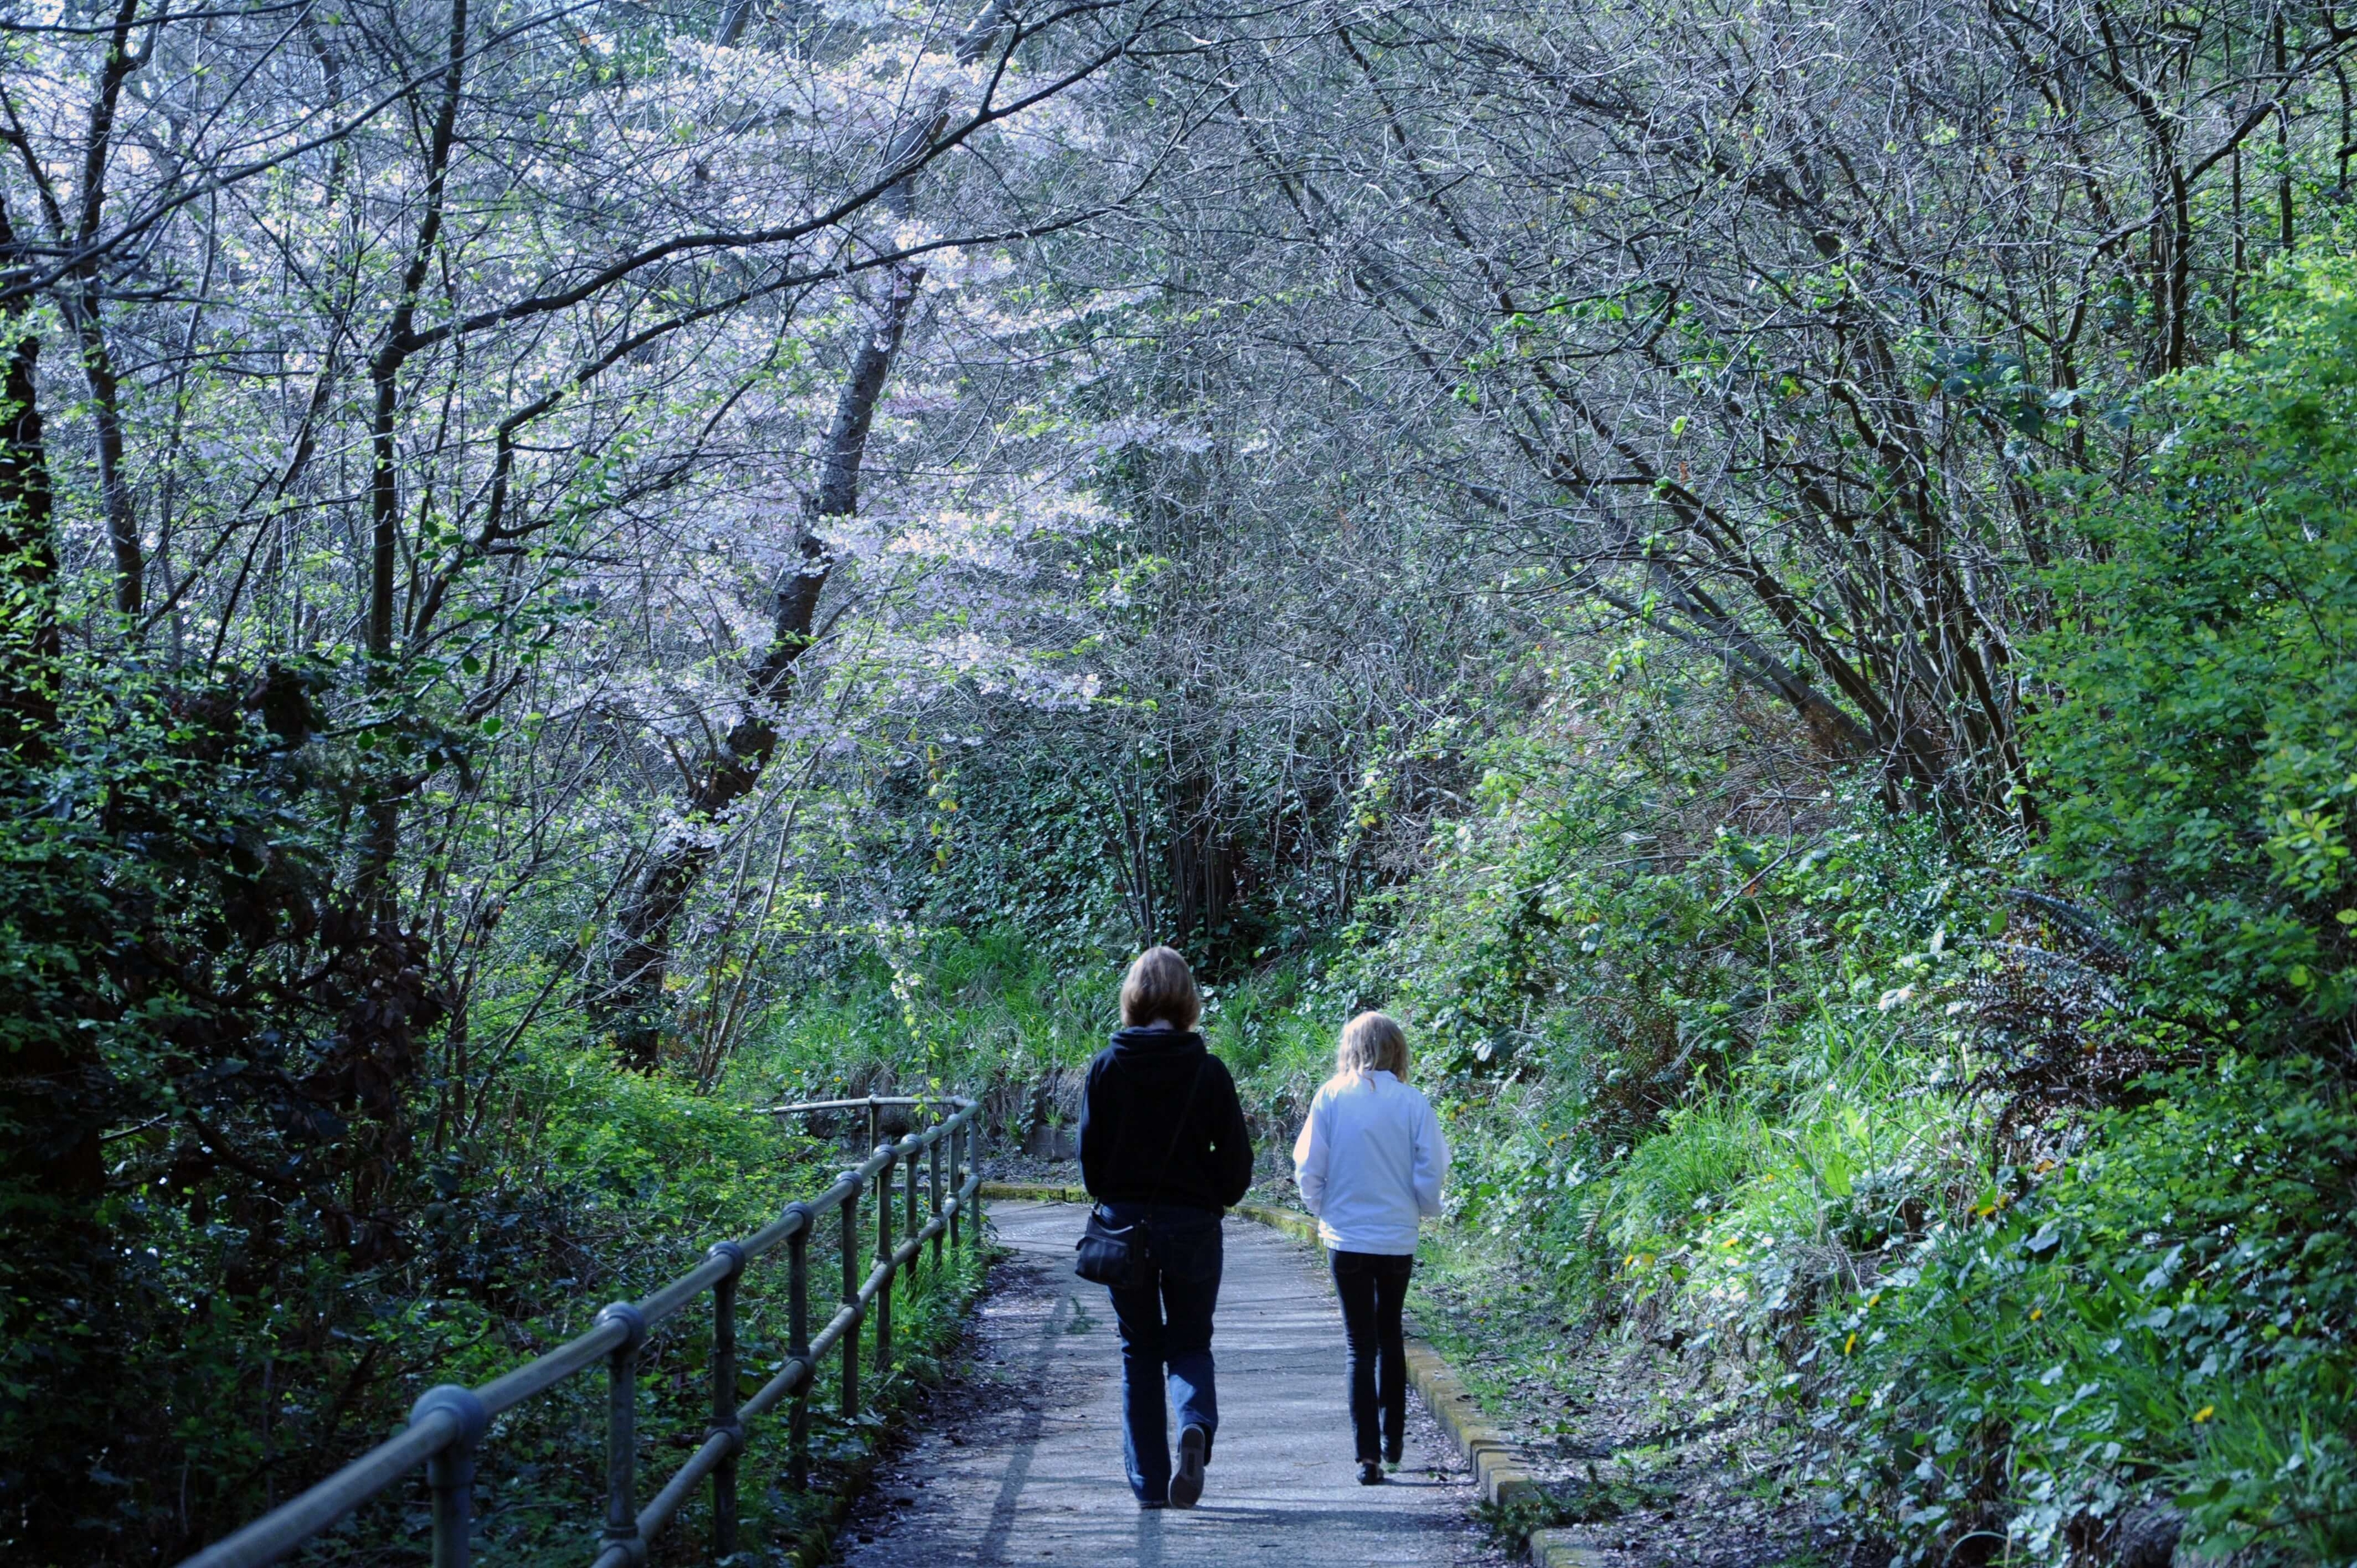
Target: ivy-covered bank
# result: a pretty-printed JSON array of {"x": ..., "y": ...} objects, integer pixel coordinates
[{"x": 2019, "y": 1170}]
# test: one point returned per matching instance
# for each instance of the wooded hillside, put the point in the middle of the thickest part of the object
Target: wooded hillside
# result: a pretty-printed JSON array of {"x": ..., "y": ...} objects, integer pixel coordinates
[{"x": 1777, "y": 577}]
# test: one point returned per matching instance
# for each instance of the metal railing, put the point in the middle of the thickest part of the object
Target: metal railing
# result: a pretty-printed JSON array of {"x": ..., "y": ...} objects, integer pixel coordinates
[{"x": 447, "y": 1423}]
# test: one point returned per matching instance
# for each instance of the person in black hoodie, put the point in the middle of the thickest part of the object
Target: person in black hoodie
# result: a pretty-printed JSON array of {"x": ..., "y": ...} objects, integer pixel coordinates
[{"x": 1163, "y": 1143}]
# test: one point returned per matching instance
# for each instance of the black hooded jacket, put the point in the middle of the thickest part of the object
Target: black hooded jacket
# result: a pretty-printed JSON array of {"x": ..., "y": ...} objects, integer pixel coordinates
[{"x": 1137, "y": 1087}]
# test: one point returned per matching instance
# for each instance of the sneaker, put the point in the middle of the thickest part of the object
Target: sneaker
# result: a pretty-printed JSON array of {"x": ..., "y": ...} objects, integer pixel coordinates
[
  {"x": 1392, "y": 1452},
  {"x": 1152, "y": 1503},
  {"x": 1371, "y": 1473},
  {"x": 1186, "y": 1486}
]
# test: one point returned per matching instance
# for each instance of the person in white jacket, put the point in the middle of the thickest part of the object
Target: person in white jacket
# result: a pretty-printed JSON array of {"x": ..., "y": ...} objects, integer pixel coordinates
[{"x": 1371, "y": 1160}]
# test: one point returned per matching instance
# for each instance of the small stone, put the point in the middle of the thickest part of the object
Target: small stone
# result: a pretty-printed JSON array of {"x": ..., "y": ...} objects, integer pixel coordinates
[{"x": 2146, "y": 1536}]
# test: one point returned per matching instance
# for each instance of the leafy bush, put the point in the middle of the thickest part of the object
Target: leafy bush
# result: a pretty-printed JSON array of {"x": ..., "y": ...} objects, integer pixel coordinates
[
  {"x": 1657, "y": 1031},
  {"x": 2200, "y": 760},
  {"x": 2167, "y": 1316},
  {"x": 2170, "y": 1314},
  {"x": 943, "y": 1005}
]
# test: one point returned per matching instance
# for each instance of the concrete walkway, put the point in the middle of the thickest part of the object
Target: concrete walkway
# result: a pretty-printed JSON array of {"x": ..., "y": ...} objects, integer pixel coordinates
[{"x": 1019, "y": 1461}]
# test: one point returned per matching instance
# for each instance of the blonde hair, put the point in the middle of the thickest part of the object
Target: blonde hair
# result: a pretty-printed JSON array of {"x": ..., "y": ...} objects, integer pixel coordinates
[
  {"x": 1159, "y": 985},
  {"x": 1372, "y": 1042}
]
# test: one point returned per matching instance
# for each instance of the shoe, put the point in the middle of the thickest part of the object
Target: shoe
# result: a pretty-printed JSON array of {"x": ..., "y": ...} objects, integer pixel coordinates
[
  {"x": 1186, "y": 1486},
  {"x": 1144, "y": 1503},
  {"x": 1371, "y": 1473},
  {"x": 1392, "y": 1452}
]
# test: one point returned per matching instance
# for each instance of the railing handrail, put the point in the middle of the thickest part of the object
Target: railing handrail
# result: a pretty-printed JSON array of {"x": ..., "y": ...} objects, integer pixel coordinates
[
  {"x": 448, "y": 1421},
  {"x": 861, "y": 1102}
]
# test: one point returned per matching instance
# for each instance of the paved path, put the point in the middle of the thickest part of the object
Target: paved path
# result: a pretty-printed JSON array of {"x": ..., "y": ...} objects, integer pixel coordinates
[{"x": 1019, "y": 1460}]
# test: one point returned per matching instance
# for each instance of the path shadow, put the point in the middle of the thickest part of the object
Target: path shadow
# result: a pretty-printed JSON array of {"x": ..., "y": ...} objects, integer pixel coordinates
[{"x": 992, "y": 1547}]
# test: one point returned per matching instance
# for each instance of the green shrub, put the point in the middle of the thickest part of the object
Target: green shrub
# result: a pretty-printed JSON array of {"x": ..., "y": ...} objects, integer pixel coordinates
[
  {"x": 2168, "y": 1314},
  {"x": 1654, "y": 1030},
  {"x": 944, "y": 1006},
  {"x": 2200, "y": 759}
]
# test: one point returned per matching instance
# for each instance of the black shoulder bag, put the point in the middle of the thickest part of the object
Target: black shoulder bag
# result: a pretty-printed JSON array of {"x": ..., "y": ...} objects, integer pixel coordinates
[{"x": 1121, "y": 1256}]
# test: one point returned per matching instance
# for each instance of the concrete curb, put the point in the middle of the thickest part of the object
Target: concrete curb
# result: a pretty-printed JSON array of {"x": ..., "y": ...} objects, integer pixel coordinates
[
  {"x": 1499, "y": 1468},
  {"x": 1033, "y": 1192},
  {"x": 1554, "y": 1549}
]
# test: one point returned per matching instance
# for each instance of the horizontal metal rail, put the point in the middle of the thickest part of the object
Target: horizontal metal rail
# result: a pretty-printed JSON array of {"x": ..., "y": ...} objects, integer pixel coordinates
[
  {"x": 865, "y": 1102},
  {"x": 447, "y": 1423}
]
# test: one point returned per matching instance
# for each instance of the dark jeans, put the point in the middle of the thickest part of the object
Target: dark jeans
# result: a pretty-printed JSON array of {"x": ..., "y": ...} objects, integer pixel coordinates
[
  {"x": 1166, "y": 1328},
  {"x": 1372, "y": 1287}
]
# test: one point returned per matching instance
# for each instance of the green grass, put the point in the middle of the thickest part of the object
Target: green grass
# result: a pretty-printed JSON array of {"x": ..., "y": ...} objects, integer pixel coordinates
[{"x": 960, "y": 1011}]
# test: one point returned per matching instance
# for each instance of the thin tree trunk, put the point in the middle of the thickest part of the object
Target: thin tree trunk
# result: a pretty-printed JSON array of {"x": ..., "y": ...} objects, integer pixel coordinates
[
  {"x": 643, "y": 965},
  {"x": 114, "y": 485},
  {"x": 633, "y": 1000},
  {"x": 374, "y": 887},
  {"x": 83, "y": 298},
  {"x": 400, "y": 342},
  {"x": 31, "y": 642},
  {"x": 2283, "y": 137}
]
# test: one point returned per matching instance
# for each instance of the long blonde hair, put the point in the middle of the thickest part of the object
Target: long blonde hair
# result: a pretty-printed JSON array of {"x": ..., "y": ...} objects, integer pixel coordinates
[{"x": 1372, "y": 1042}]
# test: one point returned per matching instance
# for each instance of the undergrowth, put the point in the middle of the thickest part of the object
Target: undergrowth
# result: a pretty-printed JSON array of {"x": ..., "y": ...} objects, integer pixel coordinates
[{"x": 581, "y": 1186}]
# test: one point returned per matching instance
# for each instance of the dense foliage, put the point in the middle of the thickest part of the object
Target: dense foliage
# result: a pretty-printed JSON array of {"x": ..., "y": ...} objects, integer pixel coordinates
[
  {"x": 1776, "y": 578},
  {"x": 2201, "y": 759},
  {"x": 2168, "y": 1314}
]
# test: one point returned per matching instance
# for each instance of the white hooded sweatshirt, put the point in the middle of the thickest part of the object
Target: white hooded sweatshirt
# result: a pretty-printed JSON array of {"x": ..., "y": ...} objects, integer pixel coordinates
[{"x": 1370, "y": 1159}]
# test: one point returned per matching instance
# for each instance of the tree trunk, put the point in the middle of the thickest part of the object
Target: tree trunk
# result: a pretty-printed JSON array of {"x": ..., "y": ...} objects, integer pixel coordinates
[
  {"x": 113, "y": 483},
  {"x": 634, "y": 1002},
  {"x": 633, "y": 999},
  {"x": 31, "y": 643},
  {"x": 375, "y": 884},
  {"x": 82, "y": 298}
]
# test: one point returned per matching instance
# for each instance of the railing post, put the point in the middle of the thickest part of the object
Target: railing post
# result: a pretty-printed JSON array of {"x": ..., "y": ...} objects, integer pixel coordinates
[
  {"x": 797, "y": 1348},
  {"x": 622, "y": 1431},
  {"x": 976, "y": 1146},
  {"x": 933, "y": 1176},
  {"x": 850, "y": 1297},
  {"x": 451, "y": 1473},
  {"x": 910, "y": 1220},
  {"x": 884, "y": 1256},
  {"x": 957, "y": 1219},
  {"x": 723, "y": 1396},
  {"x": 874, "y": 1130}
]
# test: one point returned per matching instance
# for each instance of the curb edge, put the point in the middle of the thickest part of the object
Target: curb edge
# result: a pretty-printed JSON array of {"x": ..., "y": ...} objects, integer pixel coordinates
[{"x": 1556, "y": 1549}]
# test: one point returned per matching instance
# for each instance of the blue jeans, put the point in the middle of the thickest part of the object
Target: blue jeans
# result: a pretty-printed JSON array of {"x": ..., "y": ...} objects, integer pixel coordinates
[{"x": 1167, "y": 1327}]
